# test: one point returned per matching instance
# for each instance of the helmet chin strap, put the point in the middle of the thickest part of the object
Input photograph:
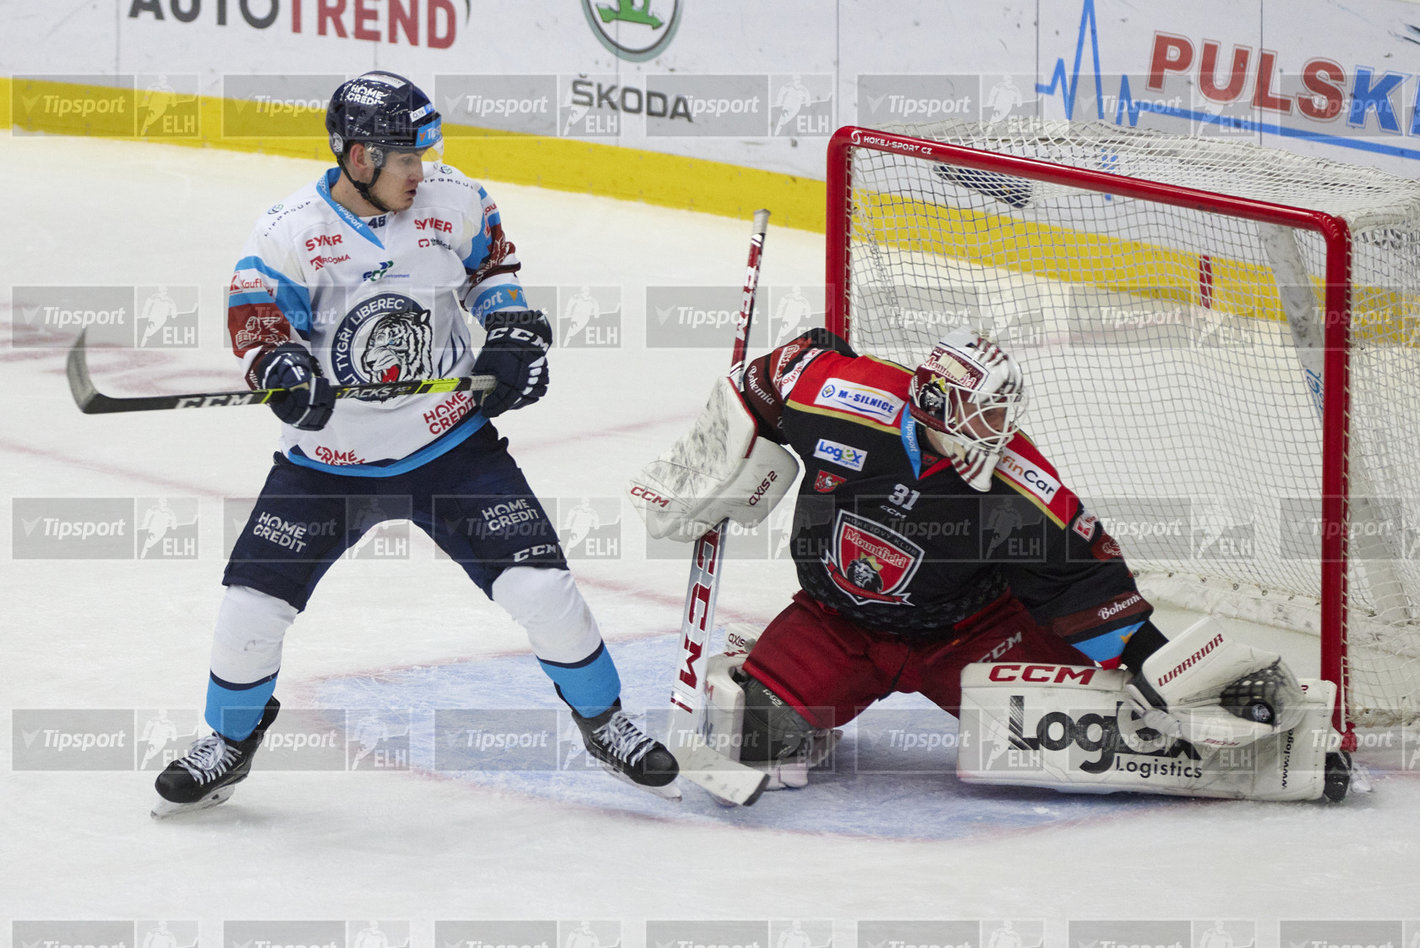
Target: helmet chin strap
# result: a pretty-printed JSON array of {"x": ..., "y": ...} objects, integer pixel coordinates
[{"x": 364, "y": 187}]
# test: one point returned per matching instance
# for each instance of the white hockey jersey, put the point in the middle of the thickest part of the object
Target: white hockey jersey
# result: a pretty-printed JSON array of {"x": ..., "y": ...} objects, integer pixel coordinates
[{"x": 377, "y": 300}]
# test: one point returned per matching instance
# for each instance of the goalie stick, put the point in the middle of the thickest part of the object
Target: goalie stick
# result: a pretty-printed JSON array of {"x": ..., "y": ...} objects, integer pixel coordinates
[
  {"x": 726, "y": 779},
  {"x": 93, "y": 402}
]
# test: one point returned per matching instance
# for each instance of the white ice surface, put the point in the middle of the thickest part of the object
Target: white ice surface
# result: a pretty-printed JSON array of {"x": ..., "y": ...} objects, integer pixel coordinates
[{"x": 420, "y": 847}]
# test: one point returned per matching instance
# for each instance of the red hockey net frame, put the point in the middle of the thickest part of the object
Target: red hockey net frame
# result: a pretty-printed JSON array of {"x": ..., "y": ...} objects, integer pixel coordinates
[{"x": 1334, "y": 232}]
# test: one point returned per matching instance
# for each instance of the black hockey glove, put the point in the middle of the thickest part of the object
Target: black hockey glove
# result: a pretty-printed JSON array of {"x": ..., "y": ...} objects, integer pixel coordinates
[
  {"x": 515, "y": 353},
  {"x": 309, "y": 398}
]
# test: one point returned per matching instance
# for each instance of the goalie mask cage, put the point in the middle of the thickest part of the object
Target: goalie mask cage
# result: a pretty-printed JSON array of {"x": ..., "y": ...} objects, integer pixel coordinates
[{"x": 1218, "y": 345}]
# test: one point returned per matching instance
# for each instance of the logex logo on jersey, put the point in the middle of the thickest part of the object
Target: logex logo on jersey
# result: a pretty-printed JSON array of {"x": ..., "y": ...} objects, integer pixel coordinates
[
  {"x": 386, "y": 338},
  {"x": 870, "y": 562},
  {"x": 633, "y": 30}
]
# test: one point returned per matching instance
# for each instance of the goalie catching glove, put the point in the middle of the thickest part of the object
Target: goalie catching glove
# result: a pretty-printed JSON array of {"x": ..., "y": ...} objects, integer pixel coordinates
[
  {"x": 1213, "y": 691},
  {"x": 719, "y": 468}
]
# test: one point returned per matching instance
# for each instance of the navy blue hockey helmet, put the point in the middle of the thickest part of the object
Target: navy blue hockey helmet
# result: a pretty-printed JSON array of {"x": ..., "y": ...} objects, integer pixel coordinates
[{"x": 382, "y": 109}]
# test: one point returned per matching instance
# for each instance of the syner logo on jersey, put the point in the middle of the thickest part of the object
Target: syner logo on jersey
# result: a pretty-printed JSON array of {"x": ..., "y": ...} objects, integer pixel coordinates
[
  {"x": 870, "y": 562},
  {"x": 387, "y": 338}
]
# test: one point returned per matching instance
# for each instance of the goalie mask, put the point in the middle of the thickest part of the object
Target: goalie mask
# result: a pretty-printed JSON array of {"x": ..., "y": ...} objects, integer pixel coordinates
[{"x": 969, "y": 394}]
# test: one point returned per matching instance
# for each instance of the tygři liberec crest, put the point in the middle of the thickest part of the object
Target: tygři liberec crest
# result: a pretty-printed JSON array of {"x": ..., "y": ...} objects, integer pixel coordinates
[{"x": 386, "y": 338}]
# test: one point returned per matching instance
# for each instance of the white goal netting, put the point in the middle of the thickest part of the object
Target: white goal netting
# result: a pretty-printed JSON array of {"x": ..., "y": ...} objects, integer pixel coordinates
[{"x": 1173, "y": 356}]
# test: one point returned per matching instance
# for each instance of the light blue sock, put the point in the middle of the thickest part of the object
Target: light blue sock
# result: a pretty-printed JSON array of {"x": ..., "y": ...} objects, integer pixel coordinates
[
  {"x": 234, "y": 711},
  {"x": 589, "y": 686}
]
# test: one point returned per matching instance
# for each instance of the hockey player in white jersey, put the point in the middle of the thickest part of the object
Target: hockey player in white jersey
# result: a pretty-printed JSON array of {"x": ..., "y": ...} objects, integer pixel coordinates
[{"x": 364, "y": 276}]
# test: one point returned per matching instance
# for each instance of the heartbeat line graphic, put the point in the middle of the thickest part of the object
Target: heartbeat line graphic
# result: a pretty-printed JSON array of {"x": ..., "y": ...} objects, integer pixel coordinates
[{"x": 1065, "y": 81}]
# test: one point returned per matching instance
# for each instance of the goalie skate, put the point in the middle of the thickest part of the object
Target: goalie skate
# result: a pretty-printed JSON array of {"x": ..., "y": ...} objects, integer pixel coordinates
[
  {"x": 209, "y": 772},
  {"x": 626, "y": 752}
]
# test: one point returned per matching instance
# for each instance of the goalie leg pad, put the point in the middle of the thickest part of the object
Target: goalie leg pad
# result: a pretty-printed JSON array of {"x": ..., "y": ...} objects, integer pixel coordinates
[
  {"x": 747, "y": 722},
  {"x": 772, "y": 729},
  {"x": 1073, "y": 729}
]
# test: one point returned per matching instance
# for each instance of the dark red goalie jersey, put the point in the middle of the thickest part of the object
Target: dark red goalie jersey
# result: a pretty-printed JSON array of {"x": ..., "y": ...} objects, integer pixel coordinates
[{"x": 892, "y": 537}]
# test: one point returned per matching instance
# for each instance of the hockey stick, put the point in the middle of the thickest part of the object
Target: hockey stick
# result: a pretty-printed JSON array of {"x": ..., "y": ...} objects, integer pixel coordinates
[
  {"x": 726, "y": 779},
  {"x": 93, "y": 402}
]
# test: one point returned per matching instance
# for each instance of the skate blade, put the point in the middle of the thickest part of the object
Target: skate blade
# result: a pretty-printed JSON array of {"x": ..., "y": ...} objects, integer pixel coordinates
[
  {"x": 670, "y": 791},
  {"x": 164, "y": 809}
]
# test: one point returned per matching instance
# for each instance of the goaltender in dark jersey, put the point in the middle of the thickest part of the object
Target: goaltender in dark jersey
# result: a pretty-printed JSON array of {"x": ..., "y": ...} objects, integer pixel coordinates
[{"x": 891, "y": 537}]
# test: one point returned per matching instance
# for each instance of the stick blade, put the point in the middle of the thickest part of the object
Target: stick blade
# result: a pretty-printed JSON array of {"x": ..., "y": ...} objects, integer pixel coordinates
[
  {"x": 77, "y": 370},
  {"x": 728, "y": 781}
]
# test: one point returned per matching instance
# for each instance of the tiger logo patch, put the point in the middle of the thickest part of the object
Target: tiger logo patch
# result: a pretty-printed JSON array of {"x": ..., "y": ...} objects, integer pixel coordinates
[{"x": 386, "y": 338}]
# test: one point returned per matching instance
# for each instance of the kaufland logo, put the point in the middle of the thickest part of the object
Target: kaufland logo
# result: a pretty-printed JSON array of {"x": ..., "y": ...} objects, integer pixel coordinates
[
  {"x": 431, "y": 23},
  {"x": 1220, "y": 86}
]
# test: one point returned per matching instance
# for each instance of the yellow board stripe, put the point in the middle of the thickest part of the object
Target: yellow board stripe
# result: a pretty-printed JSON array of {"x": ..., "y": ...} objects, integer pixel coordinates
[
  {"x": 730, "y": 190},
  {"x": 561, "y": 164},
  {"x": 1141, "y": 269}
]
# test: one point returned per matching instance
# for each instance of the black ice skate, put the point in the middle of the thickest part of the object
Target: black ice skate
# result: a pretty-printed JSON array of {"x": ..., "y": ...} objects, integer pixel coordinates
[
  {"x": 625, "y": 750},
  {"x": 208, "y": 773}
]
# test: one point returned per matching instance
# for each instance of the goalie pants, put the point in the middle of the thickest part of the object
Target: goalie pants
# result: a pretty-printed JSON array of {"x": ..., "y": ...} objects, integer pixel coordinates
[{"x": 829, "y": 669}]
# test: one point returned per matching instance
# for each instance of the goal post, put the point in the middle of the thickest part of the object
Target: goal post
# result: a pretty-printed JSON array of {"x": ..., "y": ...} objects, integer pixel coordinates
[{"x": 1218, "y": 340}]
